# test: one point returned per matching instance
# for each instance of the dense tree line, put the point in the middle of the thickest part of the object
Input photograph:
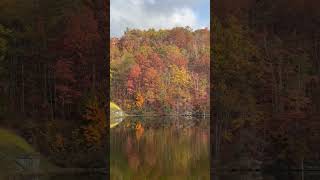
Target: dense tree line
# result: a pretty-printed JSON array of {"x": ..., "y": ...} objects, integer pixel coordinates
[
  {"x": 266, "y": 81},
  {"x": 53, "y": 74},
  {"x": 162, "y": 71}
]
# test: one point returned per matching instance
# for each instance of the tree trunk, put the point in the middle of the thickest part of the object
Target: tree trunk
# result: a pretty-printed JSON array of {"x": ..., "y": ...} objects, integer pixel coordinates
[
  {"x": 45, "y": 83},
  {"x": 55, "y": 92},
  {"x": 22, "y": 100},
  {"x": 93, "y": 77},
  {"x": 280, "y": 89},
  {"x": 302, "y": 169},
  {"x": 51, "y": 95}
]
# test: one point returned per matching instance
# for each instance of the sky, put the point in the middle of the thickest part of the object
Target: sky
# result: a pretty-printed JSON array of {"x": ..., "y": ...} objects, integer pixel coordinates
[{"x": 157, "y": 14}]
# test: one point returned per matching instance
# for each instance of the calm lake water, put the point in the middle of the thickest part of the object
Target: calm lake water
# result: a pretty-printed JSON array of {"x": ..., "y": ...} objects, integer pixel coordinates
[{"x": 160, "y": 148}]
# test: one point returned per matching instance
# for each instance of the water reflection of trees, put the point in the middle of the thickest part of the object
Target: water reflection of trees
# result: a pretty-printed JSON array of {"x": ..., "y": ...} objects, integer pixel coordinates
[{"x": 142, "y": 151}]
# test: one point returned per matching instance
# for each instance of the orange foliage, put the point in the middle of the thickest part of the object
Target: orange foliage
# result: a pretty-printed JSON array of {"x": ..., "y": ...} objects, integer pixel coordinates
[
  {"x": 139, "y": 100},
  {"x": 95, "y": 131},
  {"x": 139, "y": 131}
]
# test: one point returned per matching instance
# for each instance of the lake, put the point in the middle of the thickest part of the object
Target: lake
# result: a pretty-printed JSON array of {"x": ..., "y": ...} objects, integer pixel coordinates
[{"x": 167, "y": 147}]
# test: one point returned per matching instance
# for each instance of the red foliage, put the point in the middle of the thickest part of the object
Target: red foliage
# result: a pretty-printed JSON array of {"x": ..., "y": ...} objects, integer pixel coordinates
[{"x": 135, "y": 72}]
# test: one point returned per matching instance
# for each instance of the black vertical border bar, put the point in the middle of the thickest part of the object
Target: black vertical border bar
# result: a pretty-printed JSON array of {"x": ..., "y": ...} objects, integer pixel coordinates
[
  {"x": 211, "y": 91},
  {"x": 107, "y": 60}
]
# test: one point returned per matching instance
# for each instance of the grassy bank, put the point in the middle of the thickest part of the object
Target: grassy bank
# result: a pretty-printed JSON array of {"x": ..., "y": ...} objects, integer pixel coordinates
[
  {"x": 114, "y": 107},
  {"x": 12, "y": 147},
  {"x": 116, "y": 114}
]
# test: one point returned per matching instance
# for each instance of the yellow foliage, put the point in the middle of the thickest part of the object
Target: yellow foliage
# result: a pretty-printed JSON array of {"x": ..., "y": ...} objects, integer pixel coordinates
[
  {"x": 96, "y": 129},
  {"x": 180, "y": 76},
  {"x": 139, "y": 100}
]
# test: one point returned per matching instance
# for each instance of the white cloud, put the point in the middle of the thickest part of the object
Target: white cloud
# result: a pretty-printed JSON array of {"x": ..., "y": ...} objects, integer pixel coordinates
[{"x": 144, "y": 14}]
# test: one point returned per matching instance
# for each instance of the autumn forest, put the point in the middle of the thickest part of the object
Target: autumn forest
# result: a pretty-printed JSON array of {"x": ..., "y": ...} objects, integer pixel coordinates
[
  {"x": 243, "y": 93},
  {"x": 161, "y": 71},
  {"x": 265, "y": 72},
  {"x": 53, "y": 78}
]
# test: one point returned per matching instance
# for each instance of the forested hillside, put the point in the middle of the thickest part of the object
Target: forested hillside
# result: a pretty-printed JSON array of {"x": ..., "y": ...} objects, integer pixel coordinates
[
  {"x": 266, "y": 82},
  {"x": 161, "y": 71},
  {"x": 53, "y": 80}
]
